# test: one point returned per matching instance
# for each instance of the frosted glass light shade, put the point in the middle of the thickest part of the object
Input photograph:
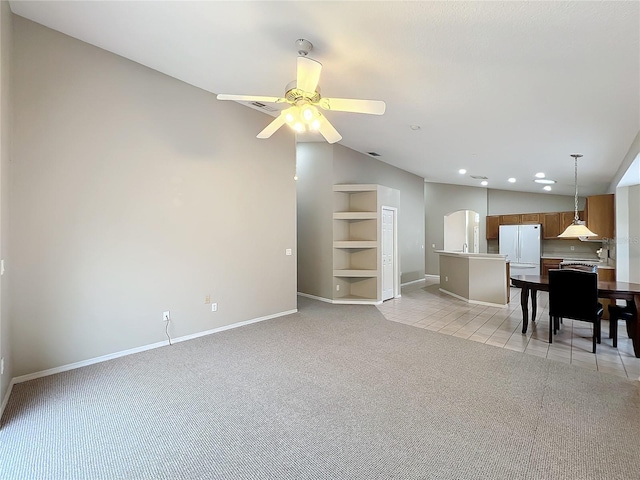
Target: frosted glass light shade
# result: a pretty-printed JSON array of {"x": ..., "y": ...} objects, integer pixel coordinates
[{"x": 576, "y": 230}]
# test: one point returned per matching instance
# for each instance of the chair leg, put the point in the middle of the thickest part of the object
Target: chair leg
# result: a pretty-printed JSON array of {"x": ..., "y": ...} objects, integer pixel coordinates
[
  {"x": 551, "y": 326},
  {"x": 599, "y": 331},
  {"x": 613, "y": 328},
  {"x": 594, "y": 338}
]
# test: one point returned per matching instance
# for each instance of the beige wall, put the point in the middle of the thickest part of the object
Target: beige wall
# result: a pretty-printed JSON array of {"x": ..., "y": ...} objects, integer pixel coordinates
[
  {"x": 319, "y": 167},
  {"x": 5, "y": 151},
  {"x": 350, "y": 166},
  {"x": 503, "y": 202},
  {"x": 628, "y": 234},
  {"x": 440, "y": 200},
  {"x": 134, "y": 193},
  {"x": 315, "y": 218}
]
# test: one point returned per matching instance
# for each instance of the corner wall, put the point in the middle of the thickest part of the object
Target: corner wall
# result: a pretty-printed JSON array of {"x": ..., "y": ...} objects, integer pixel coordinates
[
  {"x": 5, "y": 162},
  {"x": 314, "y": 189},
  {"x": 350, "y": 166},
  {"x": 440, "y": 200},
  {"x": 134, "y": 193}
]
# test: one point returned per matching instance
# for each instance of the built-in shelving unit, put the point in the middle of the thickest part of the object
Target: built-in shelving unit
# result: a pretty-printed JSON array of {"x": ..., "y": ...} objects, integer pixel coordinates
[{"x": 356, "y": 233}]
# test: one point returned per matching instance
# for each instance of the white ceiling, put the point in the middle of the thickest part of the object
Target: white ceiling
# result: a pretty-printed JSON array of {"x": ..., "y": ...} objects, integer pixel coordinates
[{"x": 503, "y": 89}]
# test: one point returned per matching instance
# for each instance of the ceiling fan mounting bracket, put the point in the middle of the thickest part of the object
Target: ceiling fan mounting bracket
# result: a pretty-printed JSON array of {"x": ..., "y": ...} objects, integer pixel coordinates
[{"x": 304, "y": 47}]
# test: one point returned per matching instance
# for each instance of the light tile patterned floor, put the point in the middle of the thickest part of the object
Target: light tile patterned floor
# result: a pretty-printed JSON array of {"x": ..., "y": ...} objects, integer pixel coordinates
[{"x": 423, "y": 305}]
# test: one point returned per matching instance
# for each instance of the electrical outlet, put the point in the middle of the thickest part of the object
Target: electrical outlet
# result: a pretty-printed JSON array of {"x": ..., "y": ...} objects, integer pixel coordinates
[
  {"x": 207, "y": 299},
  {"x": 214, "y": 307},
  {"x": 288, "y": 252},
  {"x": 572, "y": 248},
  {"x": 446, "y": 279},
  {"x": 433, "y": 245},
  {"x": 337, "y": 288},
  {"x": 166, "y": 316}
]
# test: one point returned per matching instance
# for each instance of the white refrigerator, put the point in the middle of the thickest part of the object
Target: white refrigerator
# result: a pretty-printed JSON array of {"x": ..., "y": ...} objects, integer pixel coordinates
[{"x": 522, "y": 246}]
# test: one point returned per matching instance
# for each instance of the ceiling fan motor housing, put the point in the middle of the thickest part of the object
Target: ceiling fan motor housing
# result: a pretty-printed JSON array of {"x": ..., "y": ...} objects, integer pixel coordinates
[{"x": 294, "y": 95}]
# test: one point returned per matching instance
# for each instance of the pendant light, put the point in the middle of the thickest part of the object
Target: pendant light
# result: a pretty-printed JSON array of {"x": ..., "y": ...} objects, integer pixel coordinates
[{"x": 577, "y": 227}]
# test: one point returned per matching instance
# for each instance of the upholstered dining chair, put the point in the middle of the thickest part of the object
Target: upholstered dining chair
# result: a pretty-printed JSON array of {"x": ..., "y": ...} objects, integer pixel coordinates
[
  {"x": 574, "y": 294},
  {"x": 627, "y": 313}
]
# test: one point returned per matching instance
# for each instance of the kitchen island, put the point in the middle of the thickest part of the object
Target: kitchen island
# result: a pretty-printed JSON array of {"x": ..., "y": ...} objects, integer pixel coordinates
[{"x": 481, "y": 278}]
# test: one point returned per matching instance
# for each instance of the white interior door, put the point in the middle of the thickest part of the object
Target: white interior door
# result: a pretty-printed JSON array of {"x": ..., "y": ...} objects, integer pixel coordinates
[{"x": 388, "y": 253}]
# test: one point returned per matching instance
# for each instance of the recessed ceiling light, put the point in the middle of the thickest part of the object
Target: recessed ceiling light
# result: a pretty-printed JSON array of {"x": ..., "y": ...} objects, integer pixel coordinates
[
  {"x": 547, "y": 188},
  {"x": 540, "y": 175},
  {"x": 414, "y": 127},
  {"x": 462, "y": 171},
  {"x": 512, "y": 180},
  {"x": 545, "y": 181},
  {"x": 484, "y": 182}
]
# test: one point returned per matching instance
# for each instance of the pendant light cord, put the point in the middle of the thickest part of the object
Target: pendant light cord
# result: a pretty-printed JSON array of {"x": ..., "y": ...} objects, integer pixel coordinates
[
  {"x": 575, "y": 218},
  {"x": 576, "y": 156}
]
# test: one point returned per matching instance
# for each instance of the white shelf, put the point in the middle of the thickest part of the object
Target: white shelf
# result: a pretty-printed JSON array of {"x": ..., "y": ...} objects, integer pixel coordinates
[
  {"x": 355, "y": 273},
  {"x": 355, "y": 216},
  {"x": 355, "y": 244}
]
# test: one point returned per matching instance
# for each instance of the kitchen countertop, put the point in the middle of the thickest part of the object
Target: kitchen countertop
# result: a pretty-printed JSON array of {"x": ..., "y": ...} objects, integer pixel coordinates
[{"x": 577, "y": 258}]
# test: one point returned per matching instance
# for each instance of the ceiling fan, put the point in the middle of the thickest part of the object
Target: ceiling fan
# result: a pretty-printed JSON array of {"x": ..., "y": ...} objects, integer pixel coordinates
[{"x": 303, "y": 96}]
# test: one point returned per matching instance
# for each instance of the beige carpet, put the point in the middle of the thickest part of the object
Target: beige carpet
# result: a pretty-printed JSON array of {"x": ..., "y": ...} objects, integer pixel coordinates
[{"x": 330, "y": 392}]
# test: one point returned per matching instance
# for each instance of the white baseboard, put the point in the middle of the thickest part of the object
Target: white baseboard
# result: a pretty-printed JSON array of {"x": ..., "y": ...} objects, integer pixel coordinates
[
  {"x": 432, "y": 276},
  {"x": 131, "y": 351},
  {"x": 420, "y": 280},
  {"x": 322, "y": 299},
  {"x": 5, "y": 400},
  {"x": 475, "y": 302},
  {"x": 342, "y": 302}
]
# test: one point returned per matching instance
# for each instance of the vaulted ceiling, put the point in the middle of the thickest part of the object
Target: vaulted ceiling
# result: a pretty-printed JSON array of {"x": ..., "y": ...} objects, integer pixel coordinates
[{"x": 502, "y": 89}]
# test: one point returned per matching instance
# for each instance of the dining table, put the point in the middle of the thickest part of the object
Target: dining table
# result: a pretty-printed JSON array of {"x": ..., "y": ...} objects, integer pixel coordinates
[{"x": 530, "y": 285}]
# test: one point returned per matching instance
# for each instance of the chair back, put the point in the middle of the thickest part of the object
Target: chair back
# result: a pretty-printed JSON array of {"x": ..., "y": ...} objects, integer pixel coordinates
[
  {"x": 573, "y": 294},
  {"x": 579, "y": 266}
]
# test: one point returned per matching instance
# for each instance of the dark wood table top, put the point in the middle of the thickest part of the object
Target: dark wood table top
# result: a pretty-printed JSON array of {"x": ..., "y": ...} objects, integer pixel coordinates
[{"x": 541, "y": 282}]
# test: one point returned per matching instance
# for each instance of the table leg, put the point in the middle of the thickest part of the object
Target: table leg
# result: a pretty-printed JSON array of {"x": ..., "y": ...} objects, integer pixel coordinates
[
  {"x": 634, "y": 329},
  {"x": 524, "y": 297},
  {"x": 534, "y": 304}
]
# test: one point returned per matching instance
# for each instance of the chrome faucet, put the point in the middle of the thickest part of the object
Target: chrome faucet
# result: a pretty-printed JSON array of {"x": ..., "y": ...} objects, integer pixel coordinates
[{"x": 465, "y": 247}]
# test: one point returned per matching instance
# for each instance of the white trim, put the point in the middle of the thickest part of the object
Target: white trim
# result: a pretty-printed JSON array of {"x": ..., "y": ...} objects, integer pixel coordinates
[
  {"x": 5, "y": 400},
  {"x": 420, "y": 280},
  {"x": 123, "y": 353},
  {"x": 322, "y": 299},
  {"x": 233, "y": 325},
  {"x": 428, "y": 275},
  {"x": 358, "y": 302},
  {"x": 350, "y": 301},
  {"x": 475, "y": 302}
]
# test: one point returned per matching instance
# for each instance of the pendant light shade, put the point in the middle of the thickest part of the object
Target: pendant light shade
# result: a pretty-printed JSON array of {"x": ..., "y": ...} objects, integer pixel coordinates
[{"x": 577, "y": 228}]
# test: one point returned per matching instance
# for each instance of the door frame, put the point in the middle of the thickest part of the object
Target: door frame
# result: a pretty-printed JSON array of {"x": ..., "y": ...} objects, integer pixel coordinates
[{"x": 396, "y": 262}]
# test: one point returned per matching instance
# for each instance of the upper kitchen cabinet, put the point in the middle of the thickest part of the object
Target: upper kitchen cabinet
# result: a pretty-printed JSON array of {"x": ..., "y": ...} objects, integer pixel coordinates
[
  {"x": 600, "y": 215},
  {"x": 514, "y": 219},
  {"x": 526, "y": 218},
  {"x": 493, "y": 227},
  {"x": 550, "y": 225}
]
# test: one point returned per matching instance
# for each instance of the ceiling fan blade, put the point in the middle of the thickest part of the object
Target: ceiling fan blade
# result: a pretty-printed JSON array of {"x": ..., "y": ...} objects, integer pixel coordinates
[
  {"x": 329, "y": 133},
  {"x": 273, "y": 126},
  {"x": 308, "y": 74},
  {"x": 250, "y": 98},
  {"x": 373, "y": 107}
]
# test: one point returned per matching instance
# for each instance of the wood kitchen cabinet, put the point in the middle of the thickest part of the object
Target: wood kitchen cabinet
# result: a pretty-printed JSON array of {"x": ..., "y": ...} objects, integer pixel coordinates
[
  {"x": 493, "y": 227},
  {"x": 514, "y": 219},
  {"x": 550, "y": 225},
  {"x": 531, "y": 218},
  {"x": 550, "y": 264},
  {"x": 599, "y": 214}
]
